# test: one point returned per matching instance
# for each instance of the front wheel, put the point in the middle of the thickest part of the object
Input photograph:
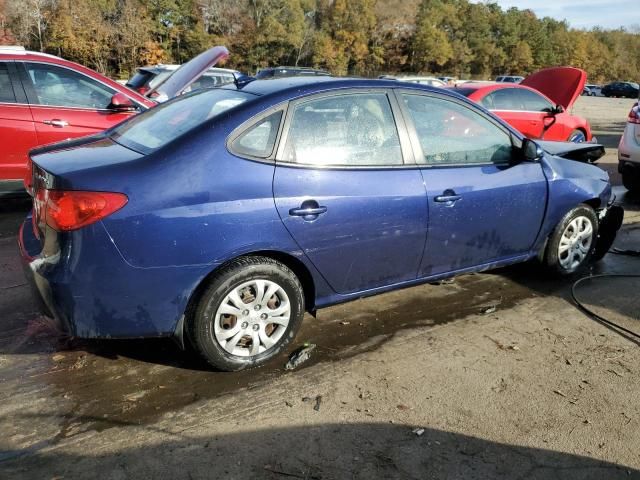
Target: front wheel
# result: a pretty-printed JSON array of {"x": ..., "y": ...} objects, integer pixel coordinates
[
  {"x": 571, "y": 244},
  {"x": 249, "y": 313}
]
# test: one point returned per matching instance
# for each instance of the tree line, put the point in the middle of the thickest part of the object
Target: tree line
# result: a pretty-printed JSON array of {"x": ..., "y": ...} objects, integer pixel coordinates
[{"x": 355, "y": 37}]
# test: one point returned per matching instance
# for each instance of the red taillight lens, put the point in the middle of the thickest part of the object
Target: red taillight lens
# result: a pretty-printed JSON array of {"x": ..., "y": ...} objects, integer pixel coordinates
[
  {"x": 70, "y": 210},
  {"x": 634, "y": 115},
  {"x": 28, "y": 178}
]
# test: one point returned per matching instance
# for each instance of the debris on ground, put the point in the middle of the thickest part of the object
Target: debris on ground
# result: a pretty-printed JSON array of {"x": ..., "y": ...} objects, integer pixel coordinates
[
  {"x": 502, "y": 346},
  {"x": 345, "y": 323},
  {"x": 402, "y": 407},
  {"x": 300, "y": 356},
  {"x": 488, "y": 310},
  {"x": 288, "y": 404},
  {"x": 418, "y": 432},
  {"x": 559, "y": 392},
  {"x": 316, "y": 407}
]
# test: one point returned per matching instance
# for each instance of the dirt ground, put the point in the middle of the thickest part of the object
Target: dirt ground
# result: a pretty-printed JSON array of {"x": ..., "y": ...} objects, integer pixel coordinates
[{"x": 499, "y": 373}]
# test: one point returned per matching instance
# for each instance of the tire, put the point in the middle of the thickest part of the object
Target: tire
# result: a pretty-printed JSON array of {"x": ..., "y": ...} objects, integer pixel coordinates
[
  {"x": 631, "y": 180},
  {"x": 576, "y": 251},
  {"x": 577, "y": 136},
  {"x": 233, "y": 341}
]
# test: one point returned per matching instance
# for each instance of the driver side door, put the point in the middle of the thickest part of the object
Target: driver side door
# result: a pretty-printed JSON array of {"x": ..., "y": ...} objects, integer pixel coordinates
[
  {"x": 486, "y": 204},
  {"x": 65, "y": 103}
]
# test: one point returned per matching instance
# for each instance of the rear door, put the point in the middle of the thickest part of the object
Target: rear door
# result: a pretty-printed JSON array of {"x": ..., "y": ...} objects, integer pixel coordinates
[
  {"x": 17, "y": 130},
  {"x": 346, "y": 195},
  {"x": 483, "y": 207},
  {"x": 66, "y": 103}
]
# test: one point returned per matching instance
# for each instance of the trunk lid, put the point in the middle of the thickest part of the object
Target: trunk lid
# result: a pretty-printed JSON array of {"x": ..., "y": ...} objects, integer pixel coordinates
[
  {"x": 562, "y": 85},
  {"x": 188, "y": 73}
]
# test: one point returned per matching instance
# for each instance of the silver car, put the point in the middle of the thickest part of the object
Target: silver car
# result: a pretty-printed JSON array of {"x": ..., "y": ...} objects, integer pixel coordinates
[{"x": 629, "y": 151}]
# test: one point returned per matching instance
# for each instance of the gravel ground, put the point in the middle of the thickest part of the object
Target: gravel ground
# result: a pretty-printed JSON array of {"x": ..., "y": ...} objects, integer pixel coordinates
[{"x": 496, "y": 375}]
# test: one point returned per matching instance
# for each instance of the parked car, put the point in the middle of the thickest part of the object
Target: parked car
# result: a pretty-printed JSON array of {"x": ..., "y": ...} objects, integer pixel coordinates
[
  {"x": 595, "y": 89},
  {"x": 277, "y": 72},
  {"x": 509, "y": 79},
  {"x": 45, "y": 99},
  {"x": 587, "y": 92},
  {"x": 629, "y": 151},
  {"x": 621, "y": 89},
  {"x": 221, "y": 216},
  {"x": 148, "y": 78},
  {"x": 447, "y": 80},
  {"x": 431, "y": 81},
  {"x": 538, "y": 106}
]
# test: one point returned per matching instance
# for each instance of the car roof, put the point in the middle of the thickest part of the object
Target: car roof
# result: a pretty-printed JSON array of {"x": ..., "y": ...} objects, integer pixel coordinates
[
  {"x": 19, "y": 53},
  {"x": 310, "y": 84}
]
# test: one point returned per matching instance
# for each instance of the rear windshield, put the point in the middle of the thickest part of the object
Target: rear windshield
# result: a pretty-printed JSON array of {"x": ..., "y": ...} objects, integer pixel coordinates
[
  {"x": 139, "y": 79},
  {"x": 160, "y": 125}
]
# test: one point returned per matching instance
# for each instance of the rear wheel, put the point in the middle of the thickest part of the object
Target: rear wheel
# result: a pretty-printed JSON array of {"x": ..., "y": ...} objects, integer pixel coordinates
[
  {"x": 577, "y": 136},
  {"x": 250, "y": 312},
  {"x": 571, "y": 244},
  {"x": 631, "y": 180}
]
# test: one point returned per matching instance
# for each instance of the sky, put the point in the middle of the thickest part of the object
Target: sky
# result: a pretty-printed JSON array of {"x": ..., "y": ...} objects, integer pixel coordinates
[{"x": 582, "y": 13}]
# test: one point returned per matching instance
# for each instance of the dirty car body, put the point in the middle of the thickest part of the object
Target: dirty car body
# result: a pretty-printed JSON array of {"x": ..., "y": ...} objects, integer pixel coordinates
[{"x": 356, "y": 186}]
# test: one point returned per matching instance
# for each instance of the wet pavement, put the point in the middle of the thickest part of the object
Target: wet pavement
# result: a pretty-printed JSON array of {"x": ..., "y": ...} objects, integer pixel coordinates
[{"x": 96, "y": 385}]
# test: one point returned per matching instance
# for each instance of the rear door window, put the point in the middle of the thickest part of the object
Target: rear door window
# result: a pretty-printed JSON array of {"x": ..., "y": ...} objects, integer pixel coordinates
[{"x": 344, "y": 130}]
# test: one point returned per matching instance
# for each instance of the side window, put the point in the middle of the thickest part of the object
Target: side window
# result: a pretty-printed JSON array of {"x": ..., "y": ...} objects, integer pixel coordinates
[
  {"x": 62, "y": 87},
  {"x": 259, "y": 139},
  {"x": 534, "y": 102},
  {"x": 452, "y": 134},
  {"x": 503, "y": 99},
  {"x": 345, "y": 130},
  {"x": 6, "y": 89}
]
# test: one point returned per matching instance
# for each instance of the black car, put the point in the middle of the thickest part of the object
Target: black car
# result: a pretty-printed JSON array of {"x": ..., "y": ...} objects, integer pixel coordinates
[
  {"x": 278, "y": 72},
  {"x": 621, "y": 89}
]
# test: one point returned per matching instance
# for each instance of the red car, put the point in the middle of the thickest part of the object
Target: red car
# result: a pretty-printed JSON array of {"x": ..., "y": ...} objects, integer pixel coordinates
[
  {"x": 539, "y": 105},
  {"x": 45, "y": 99}
]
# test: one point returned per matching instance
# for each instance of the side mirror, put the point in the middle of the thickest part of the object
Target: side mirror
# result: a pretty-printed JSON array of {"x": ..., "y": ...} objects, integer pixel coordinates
[
  {"x": 121, "y": 103},
  {"x": 557, "y": 109},
  {"x": 531, "y": 150}
]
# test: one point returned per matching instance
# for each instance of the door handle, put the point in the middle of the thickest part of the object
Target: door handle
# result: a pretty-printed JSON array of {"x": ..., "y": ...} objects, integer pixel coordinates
[
  {"x": 448, "y": 197},
  {"x": 309, "y": 210},
  {"x": 56, "y": 122},
  {"x": 303, "y": 212}
]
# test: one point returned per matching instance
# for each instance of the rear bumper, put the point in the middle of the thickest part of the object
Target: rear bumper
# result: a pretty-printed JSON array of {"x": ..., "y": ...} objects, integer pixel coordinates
[
  {"x": 629, "y": 149},
  {"x": 82, "y": 281}
]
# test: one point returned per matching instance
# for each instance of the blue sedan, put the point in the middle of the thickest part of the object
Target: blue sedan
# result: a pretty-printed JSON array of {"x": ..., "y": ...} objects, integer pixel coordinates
[{"x": 222, "y": 216}]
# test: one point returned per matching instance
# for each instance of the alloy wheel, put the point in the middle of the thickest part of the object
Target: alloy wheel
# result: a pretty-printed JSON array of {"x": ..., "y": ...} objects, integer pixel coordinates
[{"x": 575, "y": 243}]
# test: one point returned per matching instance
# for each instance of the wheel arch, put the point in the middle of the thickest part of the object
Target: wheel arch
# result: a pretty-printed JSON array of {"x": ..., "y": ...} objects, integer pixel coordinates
[{"x": 296, "y": 265}]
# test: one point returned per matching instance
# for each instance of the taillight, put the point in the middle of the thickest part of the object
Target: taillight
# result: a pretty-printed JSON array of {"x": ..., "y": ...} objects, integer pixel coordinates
[
  {"x": 70, "y": 210},
  {"x": 28, "y": 179},
  {"x": 634, "y": 115}
]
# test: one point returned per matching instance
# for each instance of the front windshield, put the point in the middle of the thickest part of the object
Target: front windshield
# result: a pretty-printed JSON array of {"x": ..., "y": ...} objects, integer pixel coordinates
[{"x": 160, "y": 125}]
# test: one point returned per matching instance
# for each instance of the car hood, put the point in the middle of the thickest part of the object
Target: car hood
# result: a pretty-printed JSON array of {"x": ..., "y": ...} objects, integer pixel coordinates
[
  {"x": 562, "y": 85},
  {"x": 582, "y": 152},
  {"x": 188, "y": 73}
]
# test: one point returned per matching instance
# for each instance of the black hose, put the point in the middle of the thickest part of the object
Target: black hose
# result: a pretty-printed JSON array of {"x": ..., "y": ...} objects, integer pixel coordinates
[{"x": 593, "y": 314}]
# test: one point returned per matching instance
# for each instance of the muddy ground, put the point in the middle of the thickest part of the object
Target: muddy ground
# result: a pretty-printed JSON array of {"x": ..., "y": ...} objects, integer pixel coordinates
[{"x": 530, "y": 389}]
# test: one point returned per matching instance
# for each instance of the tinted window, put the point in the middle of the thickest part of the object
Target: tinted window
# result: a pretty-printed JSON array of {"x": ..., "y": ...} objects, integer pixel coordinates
[
  {"x": 158, "y": 126},
  {"x": 451, "y": 134},
  {"x": 351, "y": 130},
  {"x": 6, "y": 90},
  {"x": 259, "y": 139},
  {"x": 65, "y": 88},
  {"x": 534, "y": 102},
  {"x": 139, "y": 79},
  {"x": 504, "y": 99}
]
